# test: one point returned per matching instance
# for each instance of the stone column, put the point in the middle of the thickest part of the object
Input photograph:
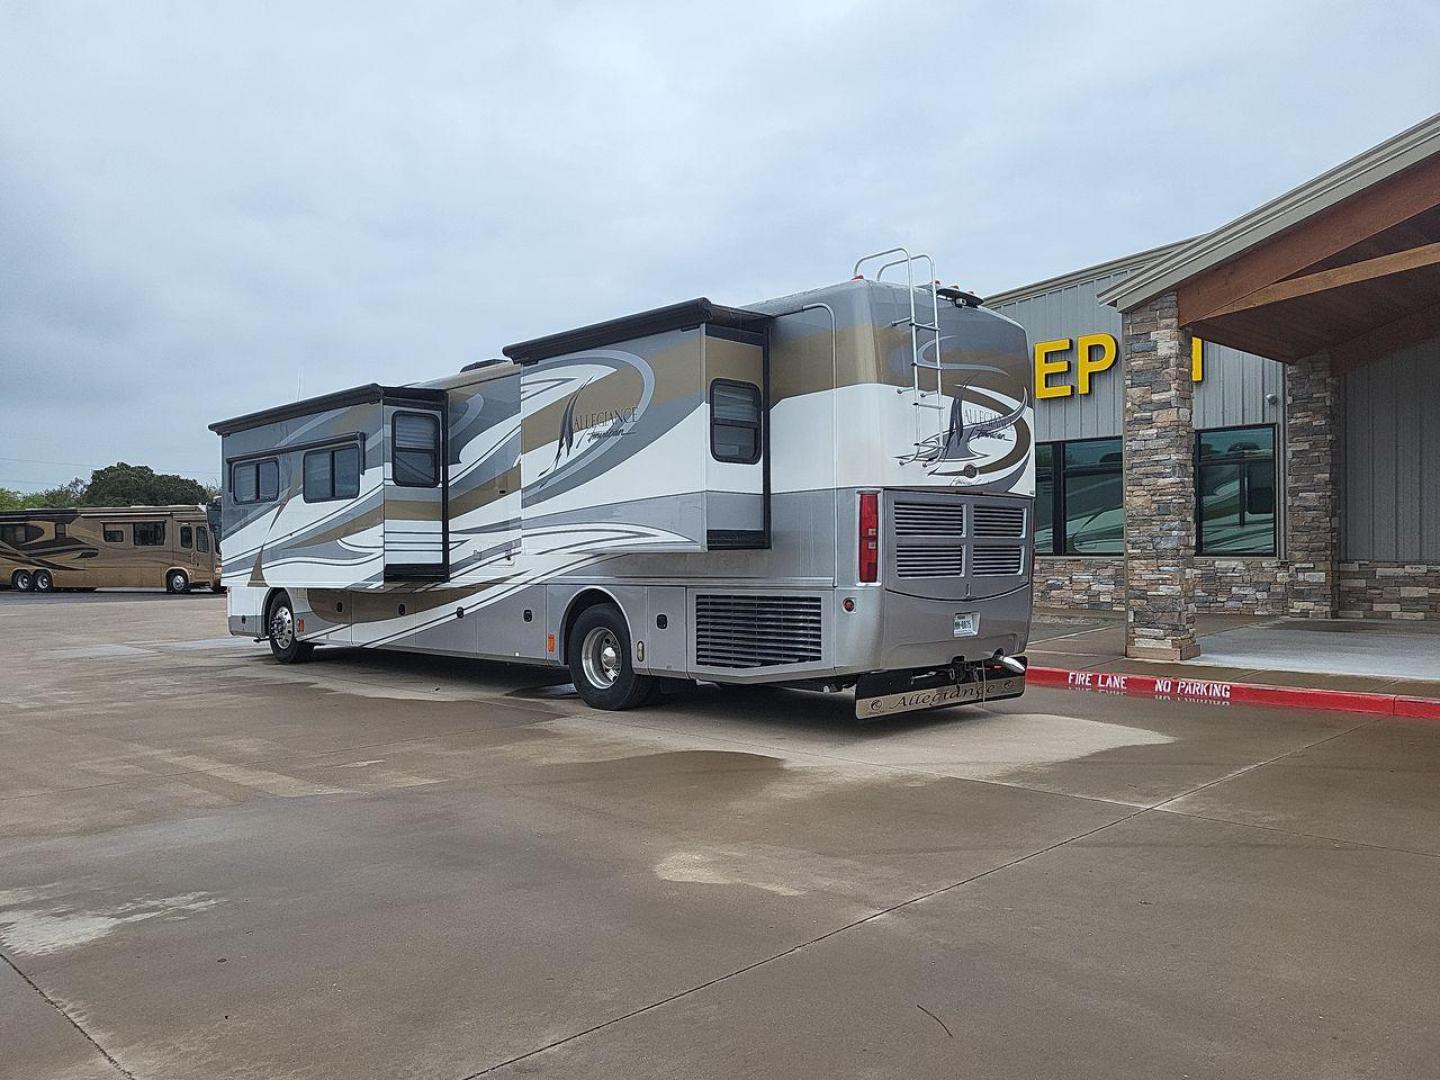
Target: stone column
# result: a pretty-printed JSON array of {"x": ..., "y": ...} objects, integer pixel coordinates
[
  {"x": 1313, "y": 428},
  {"x": 1159, "y": 485}
]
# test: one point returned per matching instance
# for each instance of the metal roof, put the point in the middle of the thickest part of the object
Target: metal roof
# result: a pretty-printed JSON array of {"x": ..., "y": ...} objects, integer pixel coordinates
[
  {"x": 1088, "y": 273},
  {"x": 1392, "y": 156}
]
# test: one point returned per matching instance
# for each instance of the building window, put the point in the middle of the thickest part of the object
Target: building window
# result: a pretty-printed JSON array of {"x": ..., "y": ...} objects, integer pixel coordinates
[
  {"x": 1235, "y": 481},
  {"x": 187, "y": 537},
  {"x": 1079, "y": 498},
  {"x": 735, "y": 422},
  {"x": 415, "y": 449},
  {"x": 114, "y": 534},
  {"x": 332, "y": 474},
  {"x": 255, "y": 481},
  {"x": 1045, "y": 499},
  {"x": 148, "y": 533}
]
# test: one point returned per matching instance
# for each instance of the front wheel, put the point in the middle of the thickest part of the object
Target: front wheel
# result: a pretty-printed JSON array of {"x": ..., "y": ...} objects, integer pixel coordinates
[
  {"x": 284, "y": 640},
  {"x": 600, "y": 661},
  {"x": 22, "y": 580},
  {"x": 43, "y": 581}
]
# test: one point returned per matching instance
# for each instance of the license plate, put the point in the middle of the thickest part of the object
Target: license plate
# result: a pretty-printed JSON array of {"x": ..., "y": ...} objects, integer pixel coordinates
[
  {"x": 935, "y": 697},
  {"x": 967, "y": 623}
]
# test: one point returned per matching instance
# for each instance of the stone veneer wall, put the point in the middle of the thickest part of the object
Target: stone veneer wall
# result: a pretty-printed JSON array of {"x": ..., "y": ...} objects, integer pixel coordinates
[
  {"x": 1093, "y": 582},
  {"x": 1159, "y": 443},
  {"x": 1314, "y": 420},
  {"x": 1370, "y": 590},
  {"x": 1245, "y": 586}
]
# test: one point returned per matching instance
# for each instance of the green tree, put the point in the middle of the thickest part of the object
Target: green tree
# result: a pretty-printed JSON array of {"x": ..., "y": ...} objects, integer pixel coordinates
[
  {"x": 123, "y": 484},
  {"x": 11, "y": 500}
]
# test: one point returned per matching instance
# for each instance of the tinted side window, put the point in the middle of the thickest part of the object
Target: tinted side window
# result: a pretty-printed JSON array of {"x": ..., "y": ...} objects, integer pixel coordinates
[
  {"x": 735, "y": 421},
  {"x": 415, "y": 449},
  {"x": 114, "y": 534},
  {"x": 187, "y": 536},
  {"x": 332, "y": 474},
  {"x": 255, "y": 481},
  {"x": 202, "y": 538},
  {"x": 148, "y": 533}
]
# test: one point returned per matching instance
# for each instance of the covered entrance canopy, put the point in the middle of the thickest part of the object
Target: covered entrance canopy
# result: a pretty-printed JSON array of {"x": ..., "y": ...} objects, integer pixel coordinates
[{"x": 1340, "y": 273}]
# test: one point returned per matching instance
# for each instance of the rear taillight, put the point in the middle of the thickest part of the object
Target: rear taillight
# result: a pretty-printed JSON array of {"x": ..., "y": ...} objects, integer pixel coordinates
[{"x": 869, "y": 536}]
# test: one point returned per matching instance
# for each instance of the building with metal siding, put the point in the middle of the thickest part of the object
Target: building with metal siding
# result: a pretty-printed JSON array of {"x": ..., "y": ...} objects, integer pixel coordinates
[
  {"x": 1179, "y": 470},
  {"x": 1234, "y": 390}
]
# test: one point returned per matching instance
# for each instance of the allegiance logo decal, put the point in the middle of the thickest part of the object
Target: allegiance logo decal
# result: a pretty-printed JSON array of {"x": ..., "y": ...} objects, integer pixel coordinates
[
  {"x": 985, "y": 435},
  {"x": 599, "y": 411}
]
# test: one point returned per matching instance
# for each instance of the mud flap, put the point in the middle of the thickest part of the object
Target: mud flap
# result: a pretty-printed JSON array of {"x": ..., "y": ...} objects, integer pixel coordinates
[{"x": 885, "y": 693}]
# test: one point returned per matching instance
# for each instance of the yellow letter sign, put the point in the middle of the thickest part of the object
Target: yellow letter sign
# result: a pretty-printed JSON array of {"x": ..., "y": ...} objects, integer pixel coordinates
[
  {"x": 1045, "y": 367},
  {"x": 1090, "y": 363}
]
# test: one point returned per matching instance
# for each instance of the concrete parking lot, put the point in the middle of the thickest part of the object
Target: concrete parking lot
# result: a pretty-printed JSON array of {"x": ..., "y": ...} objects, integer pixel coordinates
[{"x": 382, "y": 865}]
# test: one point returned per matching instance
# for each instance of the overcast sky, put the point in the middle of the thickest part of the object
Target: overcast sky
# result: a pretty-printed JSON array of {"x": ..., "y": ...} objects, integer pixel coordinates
[{"x": 205, "y": 207}]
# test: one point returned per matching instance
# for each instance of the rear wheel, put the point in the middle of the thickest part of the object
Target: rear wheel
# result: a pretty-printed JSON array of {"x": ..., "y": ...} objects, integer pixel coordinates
[
  {"x": 43, "y": 581},
  {"x": 284, "y": 634},
  {"x": 22, "y": 580},
  {"x": 600, "y": 661},
  {"x": 177, "y": 581}
]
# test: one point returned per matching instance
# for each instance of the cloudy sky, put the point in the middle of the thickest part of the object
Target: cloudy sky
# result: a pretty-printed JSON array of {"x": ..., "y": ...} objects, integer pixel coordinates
[{"x": 207, "y": 207}]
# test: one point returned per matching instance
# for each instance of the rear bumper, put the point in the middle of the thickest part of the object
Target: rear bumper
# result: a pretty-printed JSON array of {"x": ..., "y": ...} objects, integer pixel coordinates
[{"x": 890, "y": 692}]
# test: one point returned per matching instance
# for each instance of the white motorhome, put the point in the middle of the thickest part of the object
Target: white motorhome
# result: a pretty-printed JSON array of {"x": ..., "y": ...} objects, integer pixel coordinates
[{"x": 828, "y": 490}]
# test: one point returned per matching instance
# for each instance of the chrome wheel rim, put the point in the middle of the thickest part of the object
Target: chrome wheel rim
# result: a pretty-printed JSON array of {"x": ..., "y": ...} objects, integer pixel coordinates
[
  {"x": 177, "y": 582},
  {"x": 282, "y": 627},
  {"x": 600, "y": 657},
  {"x": 23, "y": 581},
  {"x": 42, "y": 583}
]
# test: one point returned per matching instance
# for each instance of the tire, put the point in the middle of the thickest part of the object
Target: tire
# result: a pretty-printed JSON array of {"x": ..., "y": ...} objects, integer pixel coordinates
[
  {"x": 280, "y": 627},
  {"x": 599, "y": 657},
  {"x": 177, "y": 581},
  {"x": 216, "y": 587},
  {"x": 43, "y": 582},
  {"x": 22, "y": 581}
]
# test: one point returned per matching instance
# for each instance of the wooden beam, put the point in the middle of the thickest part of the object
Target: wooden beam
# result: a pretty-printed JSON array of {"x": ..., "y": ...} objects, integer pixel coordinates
[
  {"x": 1328, "y": 233},
  {"x": 1292, "y": 288},
  {"x": 1409, "y": 330}
]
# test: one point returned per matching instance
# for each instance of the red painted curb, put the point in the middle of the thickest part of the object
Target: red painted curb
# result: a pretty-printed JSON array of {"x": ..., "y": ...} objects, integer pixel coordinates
[{"x": 1171, "y": 688}]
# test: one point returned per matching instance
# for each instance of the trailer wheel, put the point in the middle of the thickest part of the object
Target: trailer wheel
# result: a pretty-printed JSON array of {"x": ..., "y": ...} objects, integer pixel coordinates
[
  {"x": 43, "y": 581},
  {"x": 22, "y": 581},
  {"x": 600, "y": 665},
  {"x": 284, "y": 640}
]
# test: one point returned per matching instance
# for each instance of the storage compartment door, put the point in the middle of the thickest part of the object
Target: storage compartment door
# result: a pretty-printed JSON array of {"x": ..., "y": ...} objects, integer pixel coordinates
[
  {"x": 614, "y": 445},
  {"x": 415, "y": 525},
  {"x": 737, "y": 481}
]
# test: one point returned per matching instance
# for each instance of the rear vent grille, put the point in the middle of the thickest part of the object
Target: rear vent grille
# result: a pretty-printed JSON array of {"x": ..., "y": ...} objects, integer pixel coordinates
[
  {"x": 995, "y": 561},
  {"x": 929, "y": 519},
  {"x": 999, "y": 521},
  {"x": 944, "y": 561},
  {"x": 746, "y": 631}
]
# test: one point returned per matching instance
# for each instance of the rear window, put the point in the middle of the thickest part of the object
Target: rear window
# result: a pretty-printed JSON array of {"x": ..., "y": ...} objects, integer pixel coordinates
[{"x": 15, "y": 535}]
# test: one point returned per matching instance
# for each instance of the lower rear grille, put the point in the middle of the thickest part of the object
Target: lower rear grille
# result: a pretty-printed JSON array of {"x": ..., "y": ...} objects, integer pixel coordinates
[
  {"x": 748, "y": 631},
  {"x": 996, "y": 561},
  {"x": 947, "y": 561}
]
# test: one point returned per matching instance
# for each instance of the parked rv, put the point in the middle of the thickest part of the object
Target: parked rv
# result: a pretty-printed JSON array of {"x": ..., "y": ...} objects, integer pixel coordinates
[
  {"x": 830, "y": 490},
  {"x": 97, "y": 547}
]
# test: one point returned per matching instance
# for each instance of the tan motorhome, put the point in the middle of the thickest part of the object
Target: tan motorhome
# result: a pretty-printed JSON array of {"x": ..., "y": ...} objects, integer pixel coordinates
[{"x": 96, "y": 547}]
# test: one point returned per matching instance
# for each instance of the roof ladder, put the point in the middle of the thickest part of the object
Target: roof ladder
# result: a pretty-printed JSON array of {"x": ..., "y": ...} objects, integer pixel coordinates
[{"x": 918, "y": 345}]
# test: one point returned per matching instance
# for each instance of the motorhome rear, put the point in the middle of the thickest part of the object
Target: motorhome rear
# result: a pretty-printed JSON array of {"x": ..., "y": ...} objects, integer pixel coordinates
[
  {"x": 828, "y": 490},
  {"x": 93, "y": 547}
]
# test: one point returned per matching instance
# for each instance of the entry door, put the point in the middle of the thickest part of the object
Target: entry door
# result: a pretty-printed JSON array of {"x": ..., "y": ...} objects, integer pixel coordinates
[{"x": 415, "y": 526}]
